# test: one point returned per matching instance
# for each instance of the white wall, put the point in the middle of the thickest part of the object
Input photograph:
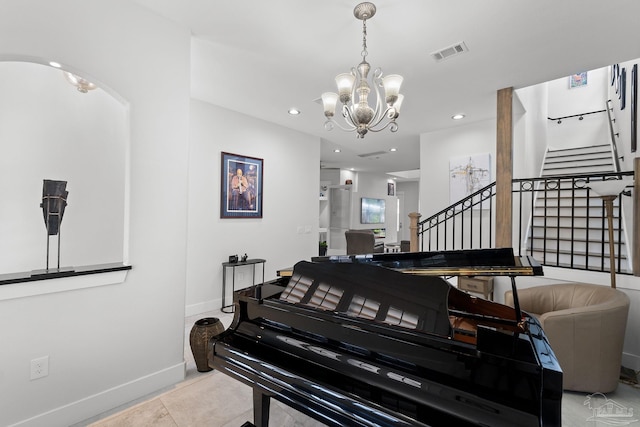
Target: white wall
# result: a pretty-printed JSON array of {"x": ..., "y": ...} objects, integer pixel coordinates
[
  {"x": 530, "y": 131},
  {"x": 436, "y": 148},
  {"x": 411, "y": 196},
  {"x": 628, "y": 284},
  {"x": 374, "y": 186},
  {"x": 622, "y": 125},
  {"x": 288, "y": 231},
  {"x": 110, "y": 344},
  {"x": 571, "y": 132}
]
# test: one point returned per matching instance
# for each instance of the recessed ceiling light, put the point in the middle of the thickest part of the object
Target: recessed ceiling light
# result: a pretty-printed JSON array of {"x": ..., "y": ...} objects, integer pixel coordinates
[
  {"x": 337, "y": 150},
  {"x": 55, "y": 64},
  {"x": 352, "y": 169},
  {"x": 393, "y": 149},
  {"x": 458, "y": 117},
  {"x": 294, "y": 111}
]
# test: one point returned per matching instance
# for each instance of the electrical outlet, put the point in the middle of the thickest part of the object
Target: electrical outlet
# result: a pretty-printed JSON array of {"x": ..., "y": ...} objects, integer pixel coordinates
[{"x": 40, "y": 367}]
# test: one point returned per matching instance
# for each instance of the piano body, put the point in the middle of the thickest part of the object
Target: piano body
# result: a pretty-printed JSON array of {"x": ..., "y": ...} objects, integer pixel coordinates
[{"x": 384, "y": 340}]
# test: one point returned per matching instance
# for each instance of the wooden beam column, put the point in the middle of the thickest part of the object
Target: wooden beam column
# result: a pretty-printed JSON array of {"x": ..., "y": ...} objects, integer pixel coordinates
[
  {"x": 414, "y": 242},
  {"x": 504, "y": 168}
]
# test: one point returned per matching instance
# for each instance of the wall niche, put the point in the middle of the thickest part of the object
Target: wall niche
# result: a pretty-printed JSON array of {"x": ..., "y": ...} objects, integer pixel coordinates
[{"x": 51, "y": 130}]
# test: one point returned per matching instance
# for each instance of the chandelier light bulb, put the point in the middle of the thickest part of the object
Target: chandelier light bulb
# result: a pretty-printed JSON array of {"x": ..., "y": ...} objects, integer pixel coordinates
[
  {"x": 392, "y": 84},
  {"x": 329, "y": 101},
  {"x": 345, "y": 82}
]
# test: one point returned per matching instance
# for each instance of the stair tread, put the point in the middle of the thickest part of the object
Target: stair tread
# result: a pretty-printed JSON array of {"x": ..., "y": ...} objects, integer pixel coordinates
[
  {"x": 579, "y": 266},
  {"x": 578, "y": 240},
  {"x": 615, "y": 218},
  {"x": 584, "y": 158},
  {"x": 568, "y": 214},
  {"x": 583, "y": 148},
  {"x": 591, "y": 229},
  {"x": 575, "y": 253},
  {"x": 581, "y": 167}
]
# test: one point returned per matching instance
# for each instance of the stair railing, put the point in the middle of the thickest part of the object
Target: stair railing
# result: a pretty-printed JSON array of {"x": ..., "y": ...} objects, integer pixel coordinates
[
  {"x": 469, "y": 223},
  {"x": 579, "y": 116},
  {"x": 466, "y": 224},
  {"x": 614, "y": 135}
]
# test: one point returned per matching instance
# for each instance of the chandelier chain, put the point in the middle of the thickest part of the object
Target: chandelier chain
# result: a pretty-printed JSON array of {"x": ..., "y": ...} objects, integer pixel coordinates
[{"x": 364, "y": 52}]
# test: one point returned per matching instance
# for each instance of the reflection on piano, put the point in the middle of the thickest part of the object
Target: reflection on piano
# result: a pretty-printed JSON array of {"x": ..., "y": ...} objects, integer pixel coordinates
[{"x": 356, "y": 341}]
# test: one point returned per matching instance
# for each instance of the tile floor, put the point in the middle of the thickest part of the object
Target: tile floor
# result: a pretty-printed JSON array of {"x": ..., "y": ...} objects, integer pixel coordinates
[{"x": 213, "y": 399}]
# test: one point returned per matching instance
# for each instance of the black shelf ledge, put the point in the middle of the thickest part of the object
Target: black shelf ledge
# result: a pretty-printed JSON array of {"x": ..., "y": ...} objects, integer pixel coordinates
[{"x": 54, "y": 273}]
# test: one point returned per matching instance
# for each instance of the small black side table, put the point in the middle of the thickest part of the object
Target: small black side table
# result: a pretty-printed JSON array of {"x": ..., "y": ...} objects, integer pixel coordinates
[{"x": 233, "y": 265}]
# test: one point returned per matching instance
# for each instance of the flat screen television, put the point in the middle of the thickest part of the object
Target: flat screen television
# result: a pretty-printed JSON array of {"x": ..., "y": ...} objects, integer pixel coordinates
[{"x": 372, "y": 211}]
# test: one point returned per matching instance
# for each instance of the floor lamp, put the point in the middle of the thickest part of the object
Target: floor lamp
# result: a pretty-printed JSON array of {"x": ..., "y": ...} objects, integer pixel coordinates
[{"x": 608, "y": 191}]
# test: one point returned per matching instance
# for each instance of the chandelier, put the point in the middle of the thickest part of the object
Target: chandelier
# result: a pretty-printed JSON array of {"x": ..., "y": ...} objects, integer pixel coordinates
[{"x": 359, "y": 116}]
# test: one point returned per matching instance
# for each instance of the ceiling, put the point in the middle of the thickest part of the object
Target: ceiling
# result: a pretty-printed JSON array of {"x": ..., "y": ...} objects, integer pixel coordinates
[{"x": 263, "y": 57}]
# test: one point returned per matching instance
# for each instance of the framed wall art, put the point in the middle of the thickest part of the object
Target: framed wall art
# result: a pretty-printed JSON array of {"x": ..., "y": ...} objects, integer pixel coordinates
[
  {"x": 468, "y": 174},
  {"x": 241, "y": 189},
  {"x": 634, "y": 107},
  {"x": 578, "y": 80},
  {"x": 391, "y": 189},
  {"x": 622, "y": 94}
]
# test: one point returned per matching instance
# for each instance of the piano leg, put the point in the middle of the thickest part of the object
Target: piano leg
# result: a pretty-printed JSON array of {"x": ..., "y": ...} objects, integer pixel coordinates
[{"x": 260, "y": 408}]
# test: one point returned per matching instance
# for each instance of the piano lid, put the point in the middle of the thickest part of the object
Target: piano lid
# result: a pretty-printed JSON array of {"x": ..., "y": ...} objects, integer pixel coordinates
[
  {"x": 466, "y": 262},
  {"x": 372, "y": 293}
]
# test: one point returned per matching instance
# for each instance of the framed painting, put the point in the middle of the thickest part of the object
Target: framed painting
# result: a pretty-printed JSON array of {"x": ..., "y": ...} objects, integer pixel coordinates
[
  {"x": 467, "y": 175},
  {"x": 391, "y": 189},
  {"x": 622, "y": 93},
  {"x": 578, "y": 80},
  {"x": 634, "y": 107},
  {"x": 241, "y": 189}
]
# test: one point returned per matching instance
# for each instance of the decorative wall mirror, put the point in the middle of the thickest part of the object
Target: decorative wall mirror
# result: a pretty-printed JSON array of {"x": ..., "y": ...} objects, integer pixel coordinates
[{"x": 50, "y": 129}]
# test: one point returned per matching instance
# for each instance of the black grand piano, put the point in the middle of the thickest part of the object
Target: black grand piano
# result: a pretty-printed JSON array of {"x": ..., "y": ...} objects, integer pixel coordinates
[{"x": 385, "y": 340}]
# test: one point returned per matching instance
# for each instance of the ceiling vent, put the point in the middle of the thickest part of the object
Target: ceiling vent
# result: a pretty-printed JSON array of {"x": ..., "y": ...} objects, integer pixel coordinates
[
  {"x": 448, "y": 52},
  {"x": 374, "y": 154}
]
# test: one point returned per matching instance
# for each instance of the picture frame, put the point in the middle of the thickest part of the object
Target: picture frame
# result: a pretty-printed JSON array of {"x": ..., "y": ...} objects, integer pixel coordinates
[
  {"x": 391, "y": 189},
  {"x": 467, "y": 175},
  {"x": 634, "y": 107},
  {"x": 241, "y": 186},
  {"x": 578, "y": 80},
  {"x": 622, "y": 94}
]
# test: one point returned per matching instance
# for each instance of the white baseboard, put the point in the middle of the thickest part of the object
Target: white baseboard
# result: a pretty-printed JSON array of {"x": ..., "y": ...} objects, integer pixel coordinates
[
  {"x": 203, "y": 307},
  {"x": 91, "y": 406},
  {"x": 631, "y": 361}
]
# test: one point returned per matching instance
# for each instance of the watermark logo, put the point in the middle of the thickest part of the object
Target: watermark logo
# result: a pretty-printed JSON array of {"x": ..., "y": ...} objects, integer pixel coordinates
[{"x": 607, "y": 411}]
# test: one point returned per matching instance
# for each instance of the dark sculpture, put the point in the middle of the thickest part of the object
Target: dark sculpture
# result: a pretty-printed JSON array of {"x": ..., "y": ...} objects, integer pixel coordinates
[{"x": 54, "y": 201}]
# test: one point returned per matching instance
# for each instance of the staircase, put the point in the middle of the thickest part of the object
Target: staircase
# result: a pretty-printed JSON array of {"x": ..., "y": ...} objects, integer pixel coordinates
[
  {"x": 568, "y": 225},
  {"x": 580, "y": 160}
]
